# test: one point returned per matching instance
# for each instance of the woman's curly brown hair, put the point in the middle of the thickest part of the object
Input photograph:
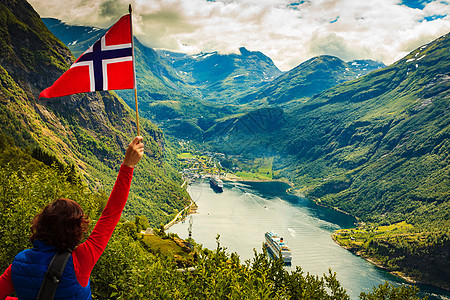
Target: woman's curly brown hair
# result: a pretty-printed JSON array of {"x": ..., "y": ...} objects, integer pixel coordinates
[{"x": 61, "y": 223}]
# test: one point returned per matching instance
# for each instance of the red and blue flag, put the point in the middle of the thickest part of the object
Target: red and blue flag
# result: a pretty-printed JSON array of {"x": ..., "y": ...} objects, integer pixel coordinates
[{"x": 106, "y": 65}]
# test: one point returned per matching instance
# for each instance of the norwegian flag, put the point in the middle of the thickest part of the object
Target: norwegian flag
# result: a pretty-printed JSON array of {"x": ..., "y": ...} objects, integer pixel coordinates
[{"x": 107, "y": 65}]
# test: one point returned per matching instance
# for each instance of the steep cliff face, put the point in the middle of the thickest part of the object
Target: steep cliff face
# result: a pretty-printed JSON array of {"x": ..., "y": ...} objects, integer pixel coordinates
[
  {"x": 89, "y": 130},
  {"x": 29, "y": 52}
]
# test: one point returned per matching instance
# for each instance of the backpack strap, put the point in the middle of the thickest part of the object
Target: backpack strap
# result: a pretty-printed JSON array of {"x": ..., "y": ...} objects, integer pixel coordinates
[{"x": 53, "y": 275}]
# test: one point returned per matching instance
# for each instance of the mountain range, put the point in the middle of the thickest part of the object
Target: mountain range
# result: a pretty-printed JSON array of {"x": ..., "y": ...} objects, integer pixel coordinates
[
  {"x": 308, "y": 79},
  {"x": 213, "y": 77},
  {"x": 185, "y": 94},
  {"x": 222, "y": 78}
]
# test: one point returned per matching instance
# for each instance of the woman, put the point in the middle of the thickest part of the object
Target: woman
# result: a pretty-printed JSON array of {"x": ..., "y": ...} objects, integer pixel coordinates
[{"x": 61, "y": 226}]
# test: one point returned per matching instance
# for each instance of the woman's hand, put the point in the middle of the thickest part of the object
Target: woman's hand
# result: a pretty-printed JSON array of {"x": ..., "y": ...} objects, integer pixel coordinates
[{"x": 134, "y": 152}]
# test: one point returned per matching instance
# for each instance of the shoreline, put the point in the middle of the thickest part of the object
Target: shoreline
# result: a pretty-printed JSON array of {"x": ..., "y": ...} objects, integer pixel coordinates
[
  {"x": 192, "y": 207},
  {"x": 400, "y": 275},
  {"x": 319, "y": 203},
  {"x": 235, "y": 178}
]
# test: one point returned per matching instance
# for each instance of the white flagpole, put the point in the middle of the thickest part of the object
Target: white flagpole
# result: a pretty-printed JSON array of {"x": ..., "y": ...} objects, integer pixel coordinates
[{"x": 134, "y": 69}]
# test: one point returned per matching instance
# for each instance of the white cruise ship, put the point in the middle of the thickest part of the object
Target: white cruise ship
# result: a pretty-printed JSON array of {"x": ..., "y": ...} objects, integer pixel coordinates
[
  {"x": 276, "y": 246},
  {"x": 216, "y": 183}
]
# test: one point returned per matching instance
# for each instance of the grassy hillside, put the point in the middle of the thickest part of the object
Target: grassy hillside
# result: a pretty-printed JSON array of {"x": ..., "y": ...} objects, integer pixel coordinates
[{"x": 90, "y": 131}]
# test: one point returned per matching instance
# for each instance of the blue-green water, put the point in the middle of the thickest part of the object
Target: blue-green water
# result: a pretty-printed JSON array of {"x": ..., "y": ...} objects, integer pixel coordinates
[{"x": 245, "y": 211}]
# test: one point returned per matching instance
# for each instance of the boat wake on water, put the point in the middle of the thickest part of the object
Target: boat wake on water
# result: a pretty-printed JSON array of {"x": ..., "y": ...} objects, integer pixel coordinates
[
  {"x": 254, "y": 198},
  {"x": 291, "y": 231}
]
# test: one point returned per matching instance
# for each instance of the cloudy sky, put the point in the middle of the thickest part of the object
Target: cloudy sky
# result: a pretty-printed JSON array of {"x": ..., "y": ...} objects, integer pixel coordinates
[{"x": 288, "y": 32}]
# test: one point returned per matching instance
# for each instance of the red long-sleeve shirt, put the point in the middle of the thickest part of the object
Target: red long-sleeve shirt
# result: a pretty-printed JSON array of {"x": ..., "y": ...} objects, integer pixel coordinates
[{"x": 86, "y": 255}]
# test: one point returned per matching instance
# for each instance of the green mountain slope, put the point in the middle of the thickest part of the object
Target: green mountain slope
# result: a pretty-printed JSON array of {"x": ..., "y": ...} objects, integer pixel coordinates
[
  {"x": 387, "y": 132},
  {"x": 90, "y": 131},
  {"x": 309, "y": 78},
  {"x": 167, "y": 100}
]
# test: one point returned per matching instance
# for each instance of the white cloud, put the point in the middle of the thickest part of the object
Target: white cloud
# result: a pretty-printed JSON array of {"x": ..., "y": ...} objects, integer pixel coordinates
[{"x": 288, "y": 33}]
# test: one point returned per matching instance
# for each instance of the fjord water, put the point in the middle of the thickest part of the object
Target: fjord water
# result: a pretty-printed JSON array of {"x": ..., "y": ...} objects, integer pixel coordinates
[{"x": 243, "y": 212}]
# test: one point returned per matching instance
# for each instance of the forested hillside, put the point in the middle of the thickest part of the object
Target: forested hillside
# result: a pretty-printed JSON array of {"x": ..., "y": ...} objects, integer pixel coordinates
[
  {"x": 381, "y": 141},
  {"x": 89, "y": 131},
  {"x": 382, "y": 136}
]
